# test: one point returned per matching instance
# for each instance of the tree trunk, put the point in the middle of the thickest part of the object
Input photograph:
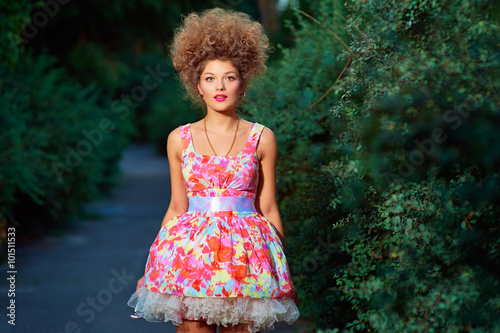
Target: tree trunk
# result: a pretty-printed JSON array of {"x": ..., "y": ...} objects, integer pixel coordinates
[{"x": 267, "y": 12}]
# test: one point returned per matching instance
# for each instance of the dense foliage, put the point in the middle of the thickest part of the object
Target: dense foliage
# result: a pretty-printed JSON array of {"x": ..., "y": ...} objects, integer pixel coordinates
[
  {"x": 169, "y": 109},
  {"x": 294, "y": 99},
  {"x": 389, "y": 189},
  {"x": 424, "y": 94},
  {"x": 60, "y": 141}
]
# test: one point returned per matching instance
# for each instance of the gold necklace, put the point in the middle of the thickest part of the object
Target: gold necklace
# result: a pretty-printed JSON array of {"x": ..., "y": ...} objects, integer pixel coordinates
[{"x": 234, "y": 139}]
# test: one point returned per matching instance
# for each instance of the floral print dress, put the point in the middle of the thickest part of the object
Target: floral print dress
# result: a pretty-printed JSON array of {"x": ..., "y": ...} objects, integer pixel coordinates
[{"x": 221, "y": 261}]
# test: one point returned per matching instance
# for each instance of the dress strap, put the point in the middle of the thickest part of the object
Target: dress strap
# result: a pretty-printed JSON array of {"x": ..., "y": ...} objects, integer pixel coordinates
[
  {"x": 255, "y": 135},
  {"x": 185, "y": 137}
]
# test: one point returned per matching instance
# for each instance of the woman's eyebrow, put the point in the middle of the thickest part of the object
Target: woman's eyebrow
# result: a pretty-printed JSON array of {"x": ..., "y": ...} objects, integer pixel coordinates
[{"x": 209, "y": 73}]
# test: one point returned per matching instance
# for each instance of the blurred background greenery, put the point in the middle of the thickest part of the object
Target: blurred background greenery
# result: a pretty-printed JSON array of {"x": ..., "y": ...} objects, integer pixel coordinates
[{"x": 387, "y": 120}]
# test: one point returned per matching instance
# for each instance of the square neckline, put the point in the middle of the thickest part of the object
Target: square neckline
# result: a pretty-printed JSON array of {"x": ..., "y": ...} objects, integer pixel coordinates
[{"x": 229, "y": 156}]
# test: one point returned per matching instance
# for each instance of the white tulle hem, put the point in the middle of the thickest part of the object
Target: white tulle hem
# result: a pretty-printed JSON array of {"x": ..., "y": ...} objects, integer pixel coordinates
[{"x": 259, "y": 313}]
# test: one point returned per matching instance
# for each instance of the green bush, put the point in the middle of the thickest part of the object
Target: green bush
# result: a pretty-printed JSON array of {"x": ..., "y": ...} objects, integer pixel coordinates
[
  {"x": 294, "y": 99},
  {"x": 60, "y": 145},
  {"x": 423, "y": 240},
  {"x": 60, "y": 142},
  {"x": 14, "y": 16},
  {"x": 169, "y": 110},
  {"x": 389, "y": 184}
]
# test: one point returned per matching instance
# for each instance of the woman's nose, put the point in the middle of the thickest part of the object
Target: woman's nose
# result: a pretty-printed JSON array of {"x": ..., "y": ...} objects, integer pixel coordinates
[{"x": 220, "y": 86}]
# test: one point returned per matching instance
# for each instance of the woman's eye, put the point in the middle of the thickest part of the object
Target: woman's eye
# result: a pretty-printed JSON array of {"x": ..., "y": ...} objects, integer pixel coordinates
[
  {"x": 231, "y": 78},
  {"x": 209, "y": 79}
]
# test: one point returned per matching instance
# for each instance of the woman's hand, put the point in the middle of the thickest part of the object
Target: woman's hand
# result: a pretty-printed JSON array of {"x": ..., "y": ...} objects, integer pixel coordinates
[{"x": 140, "y": 282}]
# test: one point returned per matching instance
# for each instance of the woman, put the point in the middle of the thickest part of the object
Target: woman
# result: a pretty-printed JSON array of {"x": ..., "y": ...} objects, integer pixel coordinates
[{"x": 218, "y": 258}]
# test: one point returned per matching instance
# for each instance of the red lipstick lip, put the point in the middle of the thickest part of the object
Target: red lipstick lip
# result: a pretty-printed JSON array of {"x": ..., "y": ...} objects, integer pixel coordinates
[{"x": 220, "y": 96}]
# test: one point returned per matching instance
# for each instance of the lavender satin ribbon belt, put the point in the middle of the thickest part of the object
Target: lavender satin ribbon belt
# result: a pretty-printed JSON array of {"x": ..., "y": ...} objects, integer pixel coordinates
[{"x": 214, "y": 204}]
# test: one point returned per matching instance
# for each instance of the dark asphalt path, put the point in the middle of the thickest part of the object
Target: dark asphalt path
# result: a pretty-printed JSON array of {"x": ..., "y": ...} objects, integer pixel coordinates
[{"x": 80, "y": 282}]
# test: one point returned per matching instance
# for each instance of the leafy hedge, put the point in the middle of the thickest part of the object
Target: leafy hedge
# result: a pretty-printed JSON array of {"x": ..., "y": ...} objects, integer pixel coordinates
[
  {"x": 424, "y": 243},
  {"x": 60, "y": 142},
  {"x": 389, "y": 183},
  {"x": 294, "y": 99},
  {"x": 168, "y": 110}
]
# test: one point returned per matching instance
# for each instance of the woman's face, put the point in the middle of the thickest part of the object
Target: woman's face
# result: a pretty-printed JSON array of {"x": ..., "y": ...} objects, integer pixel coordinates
[{"x": 221, "y": 85}]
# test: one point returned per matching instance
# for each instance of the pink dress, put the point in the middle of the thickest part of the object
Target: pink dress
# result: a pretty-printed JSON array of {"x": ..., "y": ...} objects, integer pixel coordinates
[{"x": 221, "y": 261}]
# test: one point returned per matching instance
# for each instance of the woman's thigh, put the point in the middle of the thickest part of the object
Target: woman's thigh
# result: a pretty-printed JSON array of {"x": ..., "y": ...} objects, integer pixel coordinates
[
  {"x": 240, "y": 328},
  {"x": 193, "y": 326}
]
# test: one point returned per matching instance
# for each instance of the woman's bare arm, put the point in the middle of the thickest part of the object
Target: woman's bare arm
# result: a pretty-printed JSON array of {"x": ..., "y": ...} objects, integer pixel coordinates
[
  {"x": 178, "y": 198},
  {"x": 265, "y": 202}
]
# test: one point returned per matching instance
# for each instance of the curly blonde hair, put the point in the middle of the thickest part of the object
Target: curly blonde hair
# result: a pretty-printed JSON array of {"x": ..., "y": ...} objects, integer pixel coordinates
[{"x": 218, "y": 34}]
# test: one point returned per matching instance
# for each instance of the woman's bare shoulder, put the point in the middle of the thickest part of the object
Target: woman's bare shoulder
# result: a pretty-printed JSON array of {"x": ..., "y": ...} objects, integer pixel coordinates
[
  {"x": 174, "y": 141},
  {"x": 175, "y": 135},
  {"x": 267, "y": 137},
  {"x": 267, "y": 143}
]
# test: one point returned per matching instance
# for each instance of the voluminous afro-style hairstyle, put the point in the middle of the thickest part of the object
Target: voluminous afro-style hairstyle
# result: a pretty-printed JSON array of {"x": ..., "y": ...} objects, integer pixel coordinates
[{"x": 218, "y": 34}]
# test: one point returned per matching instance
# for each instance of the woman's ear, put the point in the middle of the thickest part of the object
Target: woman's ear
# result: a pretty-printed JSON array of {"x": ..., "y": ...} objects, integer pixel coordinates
[{"x": 199, "y": 89}]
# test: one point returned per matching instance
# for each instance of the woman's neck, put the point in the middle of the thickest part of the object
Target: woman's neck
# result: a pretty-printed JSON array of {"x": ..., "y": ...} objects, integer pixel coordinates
[{"x": 221, "y": 121}]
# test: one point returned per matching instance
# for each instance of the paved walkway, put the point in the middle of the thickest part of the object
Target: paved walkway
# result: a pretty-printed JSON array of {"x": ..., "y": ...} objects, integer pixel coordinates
[{"x": 80, "y": 282}]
